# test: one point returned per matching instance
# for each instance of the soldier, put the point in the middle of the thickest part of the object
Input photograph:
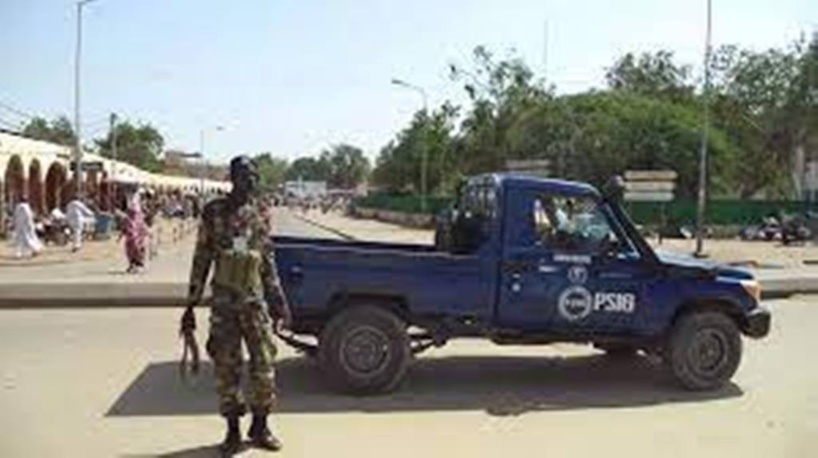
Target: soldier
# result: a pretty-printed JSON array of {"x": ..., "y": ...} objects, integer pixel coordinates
[{"x": 234, "y": 235}]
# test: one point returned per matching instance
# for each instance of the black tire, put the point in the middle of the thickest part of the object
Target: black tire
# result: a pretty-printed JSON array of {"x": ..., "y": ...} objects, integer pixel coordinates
[
  {"x": 365, "y": 350},
  {"x": 704, "y": 350}
]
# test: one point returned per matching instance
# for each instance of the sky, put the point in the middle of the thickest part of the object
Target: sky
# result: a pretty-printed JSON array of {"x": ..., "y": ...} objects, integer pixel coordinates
[{"x": 293, "y": 77}]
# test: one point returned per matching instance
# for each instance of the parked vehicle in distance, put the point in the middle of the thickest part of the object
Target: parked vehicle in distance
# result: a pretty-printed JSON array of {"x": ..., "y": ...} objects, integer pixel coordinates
[
  {"x": 517, "y": 260},
  {"x": 769, "y": 229}
]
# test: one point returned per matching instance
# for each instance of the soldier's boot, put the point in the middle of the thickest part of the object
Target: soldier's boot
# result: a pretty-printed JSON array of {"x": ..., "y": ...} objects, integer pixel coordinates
[
  {"x": 232, "y": 441},
  {"x": 260, "y": 434}
]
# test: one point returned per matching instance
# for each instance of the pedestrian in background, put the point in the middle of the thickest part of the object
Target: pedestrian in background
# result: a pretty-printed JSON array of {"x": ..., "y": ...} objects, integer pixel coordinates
[
  {"x": 135, "y": 232},
  {"x": 25, "y": 239},
  {"x": 77, "y": 214}
]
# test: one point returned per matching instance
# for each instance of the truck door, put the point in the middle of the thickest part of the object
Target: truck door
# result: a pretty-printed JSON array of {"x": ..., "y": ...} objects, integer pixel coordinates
[{"x": 568, "y": 268}]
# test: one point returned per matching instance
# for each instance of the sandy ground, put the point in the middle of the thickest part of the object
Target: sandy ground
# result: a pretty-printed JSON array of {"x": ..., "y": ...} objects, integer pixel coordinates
[
  {"x": 103, "y": 383},
  {"x": 738, "y": 251}
]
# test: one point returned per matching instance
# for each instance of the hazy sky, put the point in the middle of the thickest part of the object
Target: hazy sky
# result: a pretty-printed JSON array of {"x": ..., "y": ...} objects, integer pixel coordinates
[{"x": 293, "y": 76}]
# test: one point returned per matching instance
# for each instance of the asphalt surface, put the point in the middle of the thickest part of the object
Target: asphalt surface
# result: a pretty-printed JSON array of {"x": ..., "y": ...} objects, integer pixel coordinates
[{"x": 104, "y": 382}]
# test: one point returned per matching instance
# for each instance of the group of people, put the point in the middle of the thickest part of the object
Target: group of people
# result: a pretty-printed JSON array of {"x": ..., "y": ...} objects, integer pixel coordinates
[
  {"x": 135, "y": 227},
  {"x": 27, "y": 231}
]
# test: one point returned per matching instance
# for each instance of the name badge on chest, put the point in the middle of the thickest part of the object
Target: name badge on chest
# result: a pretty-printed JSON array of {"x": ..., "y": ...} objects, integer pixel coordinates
[{"x": 240, "y": 244}]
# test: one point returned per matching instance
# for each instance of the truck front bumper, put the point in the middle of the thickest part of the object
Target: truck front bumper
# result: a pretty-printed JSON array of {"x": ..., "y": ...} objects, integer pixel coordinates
[{"x": 757, "y": 323}]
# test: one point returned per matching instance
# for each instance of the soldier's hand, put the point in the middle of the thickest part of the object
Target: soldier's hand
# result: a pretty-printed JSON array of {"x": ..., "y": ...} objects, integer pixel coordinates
[
  {"x": 284, "y": 320},
  {"x": 188, "y": 321}
]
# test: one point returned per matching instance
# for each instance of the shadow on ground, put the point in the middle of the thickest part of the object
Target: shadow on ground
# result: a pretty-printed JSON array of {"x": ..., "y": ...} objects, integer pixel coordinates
[
  {"x": 498, "y": 385},
  {"x": 203, "y": 451}
]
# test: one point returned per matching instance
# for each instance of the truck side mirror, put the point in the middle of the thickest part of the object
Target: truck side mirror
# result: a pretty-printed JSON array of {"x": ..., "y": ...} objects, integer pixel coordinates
[
  {"x": 612, "y": 246},
  {"x": 614, "y": 190}
]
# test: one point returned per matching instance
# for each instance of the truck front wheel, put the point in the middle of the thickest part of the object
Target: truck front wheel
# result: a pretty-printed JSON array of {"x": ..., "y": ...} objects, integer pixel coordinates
[
  {"x": 704, "y": 350},
  {"x": 365, "y": 350}
]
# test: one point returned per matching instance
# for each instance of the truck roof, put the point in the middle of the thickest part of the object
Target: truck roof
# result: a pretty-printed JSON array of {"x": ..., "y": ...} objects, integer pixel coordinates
[{"x": 522, "y": 180}]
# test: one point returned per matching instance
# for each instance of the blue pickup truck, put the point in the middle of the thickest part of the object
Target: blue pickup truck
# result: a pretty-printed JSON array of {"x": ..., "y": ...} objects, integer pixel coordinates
[{"x": 517, "y": 260}]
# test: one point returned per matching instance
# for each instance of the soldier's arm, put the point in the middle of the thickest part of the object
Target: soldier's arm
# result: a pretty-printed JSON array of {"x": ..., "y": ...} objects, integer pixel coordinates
[
  {"x": 203, "y": 256},
  {"x": 273, "y": 290}
]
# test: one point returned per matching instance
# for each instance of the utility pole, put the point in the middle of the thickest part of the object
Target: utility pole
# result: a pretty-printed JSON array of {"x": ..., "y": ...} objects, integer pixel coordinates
[
  {"x": 702, "y": 201},
  {"x": 113, "y": 136},
  {"x": 204, "y": 163},
  {"x": 545, "y": 52},
  {"x": 425, "y": 152},
  {"x": 77, "y": 121},
  {"x": 77, "y": 127}
]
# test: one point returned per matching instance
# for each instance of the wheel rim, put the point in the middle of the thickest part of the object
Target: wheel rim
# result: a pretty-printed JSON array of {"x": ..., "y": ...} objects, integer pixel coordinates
[
  {"x": 708, "y": 352},
  {"x": 365, "y": 350}
]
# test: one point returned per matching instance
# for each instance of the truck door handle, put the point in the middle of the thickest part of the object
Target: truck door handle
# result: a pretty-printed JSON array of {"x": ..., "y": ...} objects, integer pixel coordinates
[
  {"x": 516, "y": 280},
  {"x": 296, "y": 273},
  {"x": 616, "y": 275}
]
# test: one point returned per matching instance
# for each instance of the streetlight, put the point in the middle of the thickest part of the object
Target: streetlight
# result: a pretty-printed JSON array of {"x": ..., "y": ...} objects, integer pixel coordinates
[
  {"x": 77, "y": 123},
  {"x": 422, "y": 93},
  {"x": 202, "y": 153},
  {"x": 702, "y": 201}
]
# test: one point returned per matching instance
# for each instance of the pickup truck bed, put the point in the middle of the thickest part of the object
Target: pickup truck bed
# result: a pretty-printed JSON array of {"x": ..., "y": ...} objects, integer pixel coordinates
[{"x": 426, "y": 281}]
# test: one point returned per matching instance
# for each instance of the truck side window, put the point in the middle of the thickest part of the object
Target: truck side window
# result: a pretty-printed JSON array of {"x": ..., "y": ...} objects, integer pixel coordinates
[{"x": 571, "y": 224}]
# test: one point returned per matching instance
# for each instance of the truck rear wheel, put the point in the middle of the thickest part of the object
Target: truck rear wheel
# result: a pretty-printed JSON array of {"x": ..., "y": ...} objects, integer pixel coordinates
[
  {"x": 365, "y": 350},
  {"x": 704, "y": 350}
]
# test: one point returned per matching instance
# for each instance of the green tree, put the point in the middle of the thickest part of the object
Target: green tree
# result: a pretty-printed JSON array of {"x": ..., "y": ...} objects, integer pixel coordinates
[
  {"x": 766, "y": 101},
  {"x": 272, "y": 170},
  {"x": 137, "y": 145},
  {"x": 651, "y": 74},
  {"x": 59, "y": 131},
  {"x": 502, "y": 92},
  {"x": 308, "y": 169},
  {"x": 763, "y": 111},
  {"x": 398, "y": 167},
  {"x": 347, "y": 165}
]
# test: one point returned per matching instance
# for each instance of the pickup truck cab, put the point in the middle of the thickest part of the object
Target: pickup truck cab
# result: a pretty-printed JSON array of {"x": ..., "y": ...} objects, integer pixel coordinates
[{"x": 517, "y": 260}]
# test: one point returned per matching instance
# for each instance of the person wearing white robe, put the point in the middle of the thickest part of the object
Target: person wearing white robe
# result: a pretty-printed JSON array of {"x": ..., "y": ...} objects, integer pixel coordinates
[
  {"x": 26, "y": 242},
  {"x": 77, "y": 214}
]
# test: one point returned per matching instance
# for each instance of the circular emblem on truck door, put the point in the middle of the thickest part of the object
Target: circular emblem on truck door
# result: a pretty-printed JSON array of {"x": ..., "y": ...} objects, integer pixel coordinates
[{"x": 575, "y": 303}]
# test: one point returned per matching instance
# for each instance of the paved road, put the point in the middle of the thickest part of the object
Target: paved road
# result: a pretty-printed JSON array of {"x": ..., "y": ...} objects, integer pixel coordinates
[{"x": 102, "y": 383}]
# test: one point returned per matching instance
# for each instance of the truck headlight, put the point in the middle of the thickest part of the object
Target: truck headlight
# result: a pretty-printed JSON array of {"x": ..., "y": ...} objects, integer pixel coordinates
[{"x": 753, "y": 289}]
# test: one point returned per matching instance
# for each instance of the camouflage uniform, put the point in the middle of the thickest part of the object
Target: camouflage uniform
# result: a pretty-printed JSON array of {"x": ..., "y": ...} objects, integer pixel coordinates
[{"x": 237, "y": 241}]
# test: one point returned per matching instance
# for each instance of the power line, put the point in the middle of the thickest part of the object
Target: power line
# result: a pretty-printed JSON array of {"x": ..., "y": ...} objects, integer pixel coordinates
[
  {"x": 9, "y": 124},
  {"x": 96, "y": 123},
  {"x": 16, "y": 111}
]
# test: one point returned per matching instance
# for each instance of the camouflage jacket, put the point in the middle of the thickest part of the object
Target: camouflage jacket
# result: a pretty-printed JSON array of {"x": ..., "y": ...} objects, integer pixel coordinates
[{"x": 237, "y": 241}]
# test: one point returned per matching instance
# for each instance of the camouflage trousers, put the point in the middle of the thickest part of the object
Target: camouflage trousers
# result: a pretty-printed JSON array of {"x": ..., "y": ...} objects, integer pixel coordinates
[{"x": 233, "y": 321}]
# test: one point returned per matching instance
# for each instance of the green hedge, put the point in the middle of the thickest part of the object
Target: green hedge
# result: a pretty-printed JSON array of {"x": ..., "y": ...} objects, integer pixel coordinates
[{"x": 719, "y": 212}]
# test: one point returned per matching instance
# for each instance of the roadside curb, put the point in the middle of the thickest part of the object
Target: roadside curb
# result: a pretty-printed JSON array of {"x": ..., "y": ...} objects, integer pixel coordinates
[
  {"x": 780, "y": 288},
  {"x": 325, "y": 227},
  {"x": 92, "y": 295}
]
